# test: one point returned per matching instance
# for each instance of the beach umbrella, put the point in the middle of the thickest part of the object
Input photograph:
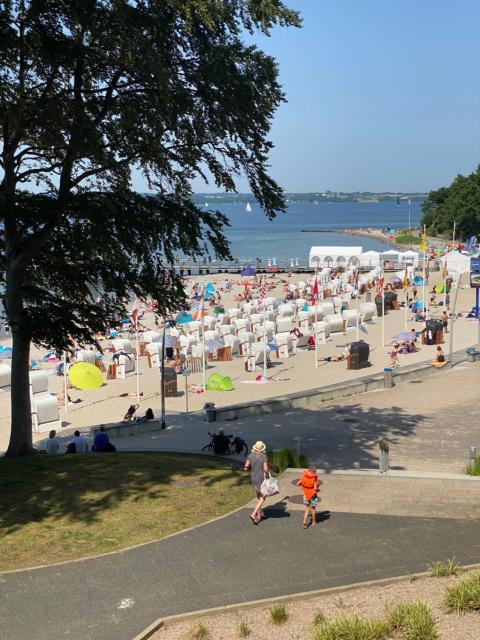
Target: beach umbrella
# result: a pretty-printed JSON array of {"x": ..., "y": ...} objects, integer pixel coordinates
[
  {"x": 218, "y": 310},
  {"x": 51, "y": 356},
  {"x": 170, "y": 341},
  {"x": 418, "y": 280},
  {"x": 183, "y": 318},
  {"x": 402, "y": 336},
  {"x": 395, "y": 279},
  {"x": 417, "y": 305},
  {"x": 214, "y": 344},
  {"x": 5, "y": 349},
  {"x": 271, "y": 346},
  {"x": 248, "y": 271},
  {"x": 85, "y": 376}
]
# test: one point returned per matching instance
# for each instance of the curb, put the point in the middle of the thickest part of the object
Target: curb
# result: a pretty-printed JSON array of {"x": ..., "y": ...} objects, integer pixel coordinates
[
  {"x": 254, "y": 604},
  {"x": 407, "y": 475}
]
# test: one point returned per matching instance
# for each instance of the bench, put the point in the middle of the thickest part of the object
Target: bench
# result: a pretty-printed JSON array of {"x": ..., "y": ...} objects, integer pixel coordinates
[{"x": 472, "y": 354}]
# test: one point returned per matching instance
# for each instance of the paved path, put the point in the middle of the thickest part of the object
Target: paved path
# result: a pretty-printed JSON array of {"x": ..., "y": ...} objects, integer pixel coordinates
[{"x": 224, "y": 562}]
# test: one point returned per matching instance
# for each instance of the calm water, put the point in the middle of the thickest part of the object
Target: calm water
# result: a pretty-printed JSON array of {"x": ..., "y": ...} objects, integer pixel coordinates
[{"x": 253, "y": 235}]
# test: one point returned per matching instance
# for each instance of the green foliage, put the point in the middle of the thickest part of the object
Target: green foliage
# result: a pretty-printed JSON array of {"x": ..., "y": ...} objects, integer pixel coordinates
[
  {"x": 319, "y": 619},
  {"x": 473, "y": 468},
  {"x": 414, "y": 621},
  {"x": 244, "y": 630},
  {"x": 407, "y": 238},
  {"x": 464, "y": 595},
  {"x": 352, "y": 627},
  {"x": 284, "y": 458},
  {"x": 459, "y": 203},
  {"x": 448, "y": 567},
  {"x": 279, "y": 614},
  {"x": 200, "y": 632}
]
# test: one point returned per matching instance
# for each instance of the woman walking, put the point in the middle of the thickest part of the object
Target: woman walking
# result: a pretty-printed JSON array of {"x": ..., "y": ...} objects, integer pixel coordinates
[{"x": 258, "y": 465}]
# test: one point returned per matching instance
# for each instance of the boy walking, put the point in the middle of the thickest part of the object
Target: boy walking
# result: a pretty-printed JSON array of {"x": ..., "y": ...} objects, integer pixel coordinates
[{"x": 310, "y": 485}]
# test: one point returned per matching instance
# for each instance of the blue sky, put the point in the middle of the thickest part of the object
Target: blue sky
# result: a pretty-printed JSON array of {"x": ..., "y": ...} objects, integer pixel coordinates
[{"x": 382, "y": 95}]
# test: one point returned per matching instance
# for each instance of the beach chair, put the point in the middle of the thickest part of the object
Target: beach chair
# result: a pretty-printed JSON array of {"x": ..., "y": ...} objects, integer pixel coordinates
[
  {"x": 126, "y": 366},
  {"x": 368, "y": 311},
  {"x": 45, "y": 413},
  {"x": 326, "y": 308},
  {"x": 284, "y": 342},
  {"x": 224, "y": 354},
  {"x": 301, "y": 342},
  {"x": 209, "y": 323},
  {"x": 5, "y": 375},
  {"x": 256, "y": 320},
  {"x": 226, "y": 329},
  {"x": 284, "y": 324},
  {"x": 194, "y": 328},
  {"x": 241, "y": 324},
  {"x": 335, "y": 323},
  {"x": 233, "y": 342},
  {"x": 186, "y": 343},
  {"x": 154, "y": 354},
  {"x": 212, "y": 335},
  {"x": 286, "y": 310},
  {"x": 255, "y": 357},
  {"x": 234, "y": 313},
  {"x": 152, "y": 336},
  {"x": 350, "y": 316},
  {"x": 260, "y": 332},
  {"x": 194, "y": 364},
  {"x": 85, "y": 355},
  {"x": 246, "y": 338},
  {"x": 305, "y": 318}
]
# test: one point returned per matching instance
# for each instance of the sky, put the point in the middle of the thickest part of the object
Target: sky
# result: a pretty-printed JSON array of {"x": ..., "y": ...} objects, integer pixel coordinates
[{"x": 383, "y": 95}]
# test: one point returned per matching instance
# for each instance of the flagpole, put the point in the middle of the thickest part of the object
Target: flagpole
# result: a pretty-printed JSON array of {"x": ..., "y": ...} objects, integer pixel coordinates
[
  {"x": 264, "y": 344},
  {"x": 424, "y": 272},
  {"x": 137, "y": 357},
  {"x": 203, "y": 355},
  {"x": 406, "y": 307},
  {"x": 383, "y": 307},
  {"x": 358, "y": 303},
  {"x": 65, "y": 381},
  {"x": 315, "y": 301}
]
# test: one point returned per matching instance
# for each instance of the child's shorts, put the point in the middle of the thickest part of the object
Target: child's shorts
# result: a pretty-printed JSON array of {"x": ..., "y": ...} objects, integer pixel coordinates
[{"x": 312, "y": 502}]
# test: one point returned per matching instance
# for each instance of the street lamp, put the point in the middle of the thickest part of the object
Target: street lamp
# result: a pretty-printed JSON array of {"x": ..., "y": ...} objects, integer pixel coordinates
[
  {"x": 170, "y": 324},
  {"x": 186, "y": 372}
]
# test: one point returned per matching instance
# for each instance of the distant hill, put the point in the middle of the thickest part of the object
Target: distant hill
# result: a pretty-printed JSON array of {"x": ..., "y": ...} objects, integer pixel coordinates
[{"x": 325, "y": 196}]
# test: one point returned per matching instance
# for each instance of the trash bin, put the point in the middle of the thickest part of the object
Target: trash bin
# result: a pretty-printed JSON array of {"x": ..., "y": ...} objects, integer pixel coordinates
[
  {"x": 210, "y": 411},
  {"x": 388, "y": 378}
]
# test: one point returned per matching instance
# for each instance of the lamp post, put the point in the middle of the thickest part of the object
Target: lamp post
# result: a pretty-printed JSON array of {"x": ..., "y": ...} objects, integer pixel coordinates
[
  {"x": 186, "y": 372},
  {"x": 170, "y": 323}
]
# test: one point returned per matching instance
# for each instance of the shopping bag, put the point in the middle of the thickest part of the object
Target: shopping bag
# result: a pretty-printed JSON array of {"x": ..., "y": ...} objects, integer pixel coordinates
[{"x": 269, "y": 486}]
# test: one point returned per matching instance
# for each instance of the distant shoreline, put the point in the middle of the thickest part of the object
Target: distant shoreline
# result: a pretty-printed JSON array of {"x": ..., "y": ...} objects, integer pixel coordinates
[{"x": 362, "y": 233}]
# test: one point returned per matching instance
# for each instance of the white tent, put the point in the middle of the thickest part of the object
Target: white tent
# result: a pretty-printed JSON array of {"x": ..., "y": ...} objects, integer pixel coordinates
[
  {"x": 456, "y": 262},
  {"x": 391, "y": 255},
  {"x": 327, "y": 256},
  {"x": 410, "y": 257},
  {"x": 370, "y": 259}
]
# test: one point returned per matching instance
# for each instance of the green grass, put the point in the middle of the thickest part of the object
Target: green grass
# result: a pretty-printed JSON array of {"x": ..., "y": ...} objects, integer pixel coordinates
[
  {"x": 405, "y": 621},
  {"x": 352, "y": 627},
  {"x": 473, "y": 468},
  {"x": 319, "y": 619},
  {"x": 279, "y": 614},
  {"x": 464, "y": 595},
  {"x": 413, "y": 620},
  {"x": 284, "y": 458},
  {"x": 200, "y": 632},
  {"x": 68, "y": 507},
  {"x": 407, "y": 238},
  {"x": 244, "y": 630},
  {"x": 448, "y": 567}
]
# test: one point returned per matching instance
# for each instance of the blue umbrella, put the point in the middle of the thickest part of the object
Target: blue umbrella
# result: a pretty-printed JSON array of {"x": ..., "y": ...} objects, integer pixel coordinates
[
  {"x": 214, "y": 344},
  {"x": 183, "y": 318},
  {"x": 248, "y": 271},
  {"x": 272, "y": 347},
  {"x": 170, "y": 341},
  {"x": 417, "y": 305},
  {"x": 417, "y": 280}
]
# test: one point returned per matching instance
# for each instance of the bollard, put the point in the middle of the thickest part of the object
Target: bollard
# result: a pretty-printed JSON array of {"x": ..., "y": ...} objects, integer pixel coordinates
[
  {"x": 388, "y": 378},
  {"x": 383, "y": 459},
  {"x": 473, "y": 454}
]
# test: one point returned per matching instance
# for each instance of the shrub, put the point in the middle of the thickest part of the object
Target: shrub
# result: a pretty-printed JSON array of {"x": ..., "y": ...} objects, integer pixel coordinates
[
  {"x": 407, "y": 238},
  {"x": 284, "y": 458},
  {"x": 447, "y": 568},
  {"x": 414, "y": 620},
  {"x": 352, "y": 627},
  {"x": 279, "y": 614},
  {"x": 320, "y": 618},
  {"x": 244, "y": 630},
  {"x": 200, "y": 632},
  {"x": 464, "y": 595},
  {"x": 473, "y": 468}
]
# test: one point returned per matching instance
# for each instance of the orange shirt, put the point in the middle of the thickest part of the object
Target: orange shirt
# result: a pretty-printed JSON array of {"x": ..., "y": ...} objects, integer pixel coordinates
[{"x": 309, "y": 482}]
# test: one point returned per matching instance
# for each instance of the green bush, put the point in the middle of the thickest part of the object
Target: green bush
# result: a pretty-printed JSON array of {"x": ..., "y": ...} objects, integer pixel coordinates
[
  {"x": 244, "y": 630},
  {"x": 447, "y": 568},
  {"x": 414, "y": 621},
  {"x": 284, "y": 458},
  {"x": 464, "y": 595},
  {"x": 473, "y": 468},
  {"x": 407, "y": 238},
  {"x": 279, "y": 614},
  {"x": 200, "y": 632},
  {"x": 352, "y": 627}
]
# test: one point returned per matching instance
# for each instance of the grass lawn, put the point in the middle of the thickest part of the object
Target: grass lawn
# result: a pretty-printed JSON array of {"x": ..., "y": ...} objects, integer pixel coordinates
[{"x": 67, "y": 507}]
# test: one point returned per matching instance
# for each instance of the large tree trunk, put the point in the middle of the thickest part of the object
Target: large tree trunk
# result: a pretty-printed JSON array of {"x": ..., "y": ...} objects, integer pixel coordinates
[{"x": 21, "y": 422}]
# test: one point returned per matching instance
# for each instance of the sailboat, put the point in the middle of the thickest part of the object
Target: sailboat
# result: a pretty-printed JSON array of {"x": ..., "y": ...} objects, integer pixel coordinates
[
  {"x": 206, "y": 205},
  {"x": 248, "y": 208}
]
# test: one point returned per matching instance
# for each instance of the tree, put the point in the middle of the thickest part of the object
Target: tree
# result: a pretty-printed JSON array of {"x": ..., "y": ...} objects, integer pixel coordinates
[
  {"x": 459, "y": 203},
  {"x": 89, "y": 91}
]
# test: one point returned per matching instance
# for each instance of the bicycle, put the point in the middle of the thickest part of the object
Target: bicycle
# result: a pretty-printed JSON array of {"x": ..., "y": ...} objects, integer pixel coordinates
[{"x": 236, "y": 445}]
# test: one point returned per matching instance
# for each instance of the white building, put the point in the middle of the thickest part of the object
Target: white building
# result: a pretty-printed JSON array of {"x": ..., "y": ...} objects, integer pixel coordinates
[{"x": 327, "y": 256}]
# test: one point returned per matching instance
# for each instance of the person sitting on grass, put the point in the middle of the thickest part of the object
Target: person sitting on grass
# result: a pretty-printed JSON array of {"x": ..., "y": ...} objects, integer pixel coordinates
[
  {"x": 310, "y": 485},
  {"x": 52, "y": 445},
  {"x": 221, "y": 443},
  {"x": 102, "y": 443}
]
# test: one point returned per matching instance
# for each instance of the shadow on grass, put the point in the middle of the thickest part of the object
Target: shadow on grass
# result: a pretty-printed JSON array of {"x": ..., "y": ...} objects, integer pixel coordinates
[{"x": 82, "y": 487}]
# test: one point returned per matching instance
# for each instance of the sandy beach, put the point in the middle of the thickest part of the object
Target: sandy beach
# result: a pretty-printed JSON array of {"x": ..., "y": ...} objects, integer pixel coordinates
[{"x": 296, "y": 373}]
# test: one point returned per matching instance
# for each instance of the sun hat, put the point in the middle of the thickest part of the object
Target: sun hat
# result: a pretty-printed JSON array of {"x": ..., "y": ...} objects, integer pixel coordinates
[{"x": 259, "y": 447}]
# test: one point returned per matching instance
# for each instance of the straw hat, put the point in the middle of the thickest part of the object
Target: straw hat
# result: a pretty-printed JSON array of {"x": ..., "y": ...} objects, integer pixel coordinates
[{"x": 259, "y": 447}]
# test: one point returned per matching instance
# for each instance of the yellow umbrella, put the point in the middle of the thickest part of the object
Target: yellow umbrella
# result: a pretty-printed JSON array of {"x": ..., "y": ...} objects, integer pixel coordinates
[{"x": 85, "y": 376}]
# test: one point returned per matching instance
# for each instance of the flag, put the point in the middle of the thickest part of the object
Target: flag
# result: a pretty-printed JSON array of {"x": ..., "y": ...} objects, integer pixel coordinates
[
  {"x": 262, "y": 292},
  {"x": 423, "y": 246},
  {"x": 315, "y": 289},
  {"x": 406, "y": 280},
  {"x": 355, "y": 281},
  {"x": 380, "y": 282},
  {"x": 134, "y": 311}
]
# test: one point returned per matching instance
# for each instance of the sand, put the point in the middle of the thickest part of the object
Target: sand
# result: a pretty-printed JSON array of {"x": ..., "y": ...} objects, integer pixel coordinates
[{"x": 294, "y": 374}]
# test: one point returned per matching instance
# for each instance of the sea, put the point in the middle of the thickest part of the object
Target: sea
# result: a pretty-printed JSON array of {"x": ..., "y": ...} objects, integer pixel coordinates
[{"x": 305, "y": 224}]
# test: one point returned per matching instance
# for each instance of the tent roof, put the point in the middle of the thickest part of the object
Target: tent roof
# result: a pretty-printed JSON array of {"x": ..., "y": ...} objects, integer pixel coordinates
[
  {"x": 392, "y": 252},
  {"x": 371, "y": 253},
  {"x": 457, "y": 261},
  {"x": 335, "y": 251},
  {"x": 409, "y": 252}
]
